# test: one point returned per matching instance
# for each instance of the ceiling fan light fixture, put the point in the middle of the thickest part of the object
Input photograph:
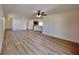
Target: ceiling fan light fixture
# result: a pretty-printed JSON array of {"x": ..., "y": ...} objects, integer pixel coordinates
[{"x": 38, "y": 16}]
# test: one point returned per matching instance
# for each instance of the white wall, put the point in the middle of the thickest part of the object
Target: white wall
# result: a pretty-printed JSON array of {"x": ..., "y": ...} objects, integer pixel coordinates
[
  {"x": 19, "y": 24},
  {"x": 2, "y": 27},
  {"x": 30, "y": 26},
  {"x": 64, "y": 25}
]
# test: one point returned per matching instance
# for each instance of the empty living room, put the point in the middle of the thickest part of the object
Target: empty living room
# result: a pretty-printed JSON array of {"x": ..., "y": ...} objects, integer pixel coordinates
[{"x": 39, "y": 29}]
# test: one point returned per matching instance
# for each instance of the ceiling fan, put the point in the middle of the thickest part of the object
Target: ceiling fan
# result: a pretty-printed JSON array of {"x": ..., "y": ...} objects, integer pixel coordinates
[{"x": 40, "y": 13}]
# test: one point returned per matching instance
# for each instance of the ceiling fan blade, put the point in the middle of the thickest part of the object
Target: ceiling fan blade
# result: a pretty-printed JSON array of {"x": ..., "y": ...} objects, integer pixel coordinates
[
  {"x": 43, "y": 13},
  {"x": 38, "y": 11}
]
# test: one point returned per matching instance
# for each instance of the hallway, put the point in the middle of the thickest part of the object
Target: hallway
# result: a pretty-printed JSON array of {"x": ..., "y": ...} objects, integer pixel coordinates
[{"x": 28, "y": 42}]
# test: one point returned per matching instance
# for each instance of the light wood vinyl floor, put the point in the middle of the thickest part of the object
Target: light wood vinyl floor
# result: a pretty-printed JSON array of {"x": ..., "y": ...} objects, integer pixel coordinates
[{"x": 30, "y": 42}]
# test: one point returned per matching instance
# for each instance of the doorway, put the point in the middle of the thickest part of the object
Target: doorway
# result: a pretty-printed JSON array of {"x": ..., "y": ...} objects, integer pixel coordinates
[{"x": 36, "y": 25}]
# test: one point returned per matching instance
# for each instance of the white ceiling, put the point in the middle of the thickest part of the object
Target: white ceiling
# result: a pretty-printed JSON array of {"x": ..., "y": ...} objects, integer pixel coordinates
[{"x": 26, "y": 10}]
